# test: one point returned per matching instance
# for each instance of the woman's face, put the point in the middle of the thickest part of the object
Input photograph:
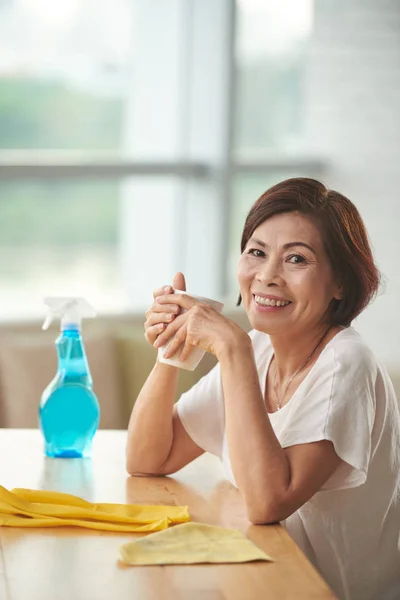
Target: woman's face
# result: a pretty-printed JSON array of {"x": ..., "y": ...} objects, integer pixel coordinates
[{"x": 285, "y": 278}]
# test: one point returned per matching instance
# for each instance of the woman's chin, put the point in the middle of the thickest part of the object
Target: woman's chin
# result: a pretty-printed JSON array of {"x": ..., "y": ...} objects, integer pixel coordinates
[
  {"x": 265, "y": 324},
  {"x": 260, "y": 324}
]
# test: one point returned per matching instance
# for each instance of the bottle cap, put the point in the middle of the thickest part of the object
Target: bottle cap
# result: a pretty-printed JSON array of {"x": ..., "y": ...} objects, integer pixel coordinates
[{"x": 71, "y": 311}]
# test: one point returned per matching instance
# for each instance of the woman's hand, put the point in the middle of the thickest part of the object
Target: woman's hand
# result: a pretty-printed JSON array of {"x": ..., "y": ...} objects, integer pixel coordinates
[
  {"x": 200, "y": 326},
  {"x": 158, "y": 316}
]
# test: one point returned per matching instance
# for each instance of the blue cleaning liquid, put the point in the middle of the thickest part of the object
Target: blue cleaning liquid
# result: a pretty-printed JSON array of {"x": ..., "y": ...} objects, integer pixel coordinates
[{"x": 69, "y": 411}]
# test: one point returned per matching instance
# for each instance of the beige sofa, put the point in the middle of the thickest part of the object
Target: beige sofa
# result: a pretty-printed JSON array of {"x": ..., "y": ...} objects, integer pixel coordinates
[{"x": 120, "y": 359}]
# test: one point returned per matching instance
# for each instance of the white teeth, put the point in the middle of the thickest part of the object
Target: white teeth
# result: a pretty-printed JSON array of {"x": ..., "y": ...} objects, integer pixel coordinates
[{"x": 270, "y": 301}]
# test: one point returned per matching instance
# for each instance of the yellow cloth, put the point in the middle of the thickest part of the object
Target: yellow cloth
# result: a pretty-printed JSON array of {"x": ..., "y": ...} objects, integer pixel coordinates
[
  {"x": 37, "y": 508},
  {"x": 191, "y": 543}
]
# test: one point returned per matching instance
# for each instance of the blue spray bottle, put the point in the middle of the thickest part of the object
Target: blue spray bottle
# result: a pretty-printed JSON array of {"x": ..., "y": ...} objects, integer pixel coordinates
[{"x": 69, "y": 411}]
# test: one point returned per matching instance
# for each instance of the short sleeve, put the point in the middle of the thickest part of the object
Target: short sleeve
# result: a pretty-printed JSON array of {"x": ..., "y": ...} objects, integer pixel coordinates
[
  {"x": 337, "y": 404},
  {"x": 202, "y": 413}
]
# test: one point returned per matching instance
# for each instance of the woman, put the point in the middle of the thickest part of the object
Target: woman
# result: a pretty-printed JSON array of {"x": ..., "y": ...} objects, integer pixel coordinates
[{"x": 316, "y": 408}]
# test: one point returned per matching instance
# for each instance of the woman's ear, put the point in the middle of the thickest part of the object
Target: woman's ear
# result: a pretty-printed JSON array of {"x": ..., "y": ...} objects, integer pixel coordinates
[{"x": 338, "y": 293}]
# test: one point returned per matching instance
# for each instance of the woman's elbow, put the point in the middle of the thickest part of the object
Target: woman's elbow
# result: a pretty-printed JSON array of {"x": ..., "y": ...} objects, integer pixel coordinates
[
  {"x": 135, "y": 469},
  {"x": 131, "y": 469},
  {"x": 262, "y": 517},
  {"x": 267, "y": 513}
]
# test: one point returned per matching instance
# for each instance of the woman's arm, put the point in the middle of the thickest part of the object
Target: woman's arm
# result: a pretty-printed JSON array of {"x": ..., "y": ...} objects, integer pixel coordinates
[
  {"x": 274, "y": 481},
  {"x": 157, "y": 441}
]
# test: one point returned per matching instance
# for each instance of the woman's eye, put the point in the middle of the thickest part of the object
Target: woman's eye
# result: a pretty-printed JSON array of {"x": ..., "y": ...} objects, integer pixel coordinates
[
  {"x": 256, "y": 252},
  {"x": 297, "y": 259}
]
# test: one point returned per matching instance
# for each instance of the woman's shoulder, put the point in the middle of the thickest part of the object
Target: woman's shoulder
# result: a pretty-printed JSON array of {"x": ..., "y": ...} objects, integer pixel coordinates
[
  {"x": 349, "y": 346},
  {"x": 349, "y": 357}
]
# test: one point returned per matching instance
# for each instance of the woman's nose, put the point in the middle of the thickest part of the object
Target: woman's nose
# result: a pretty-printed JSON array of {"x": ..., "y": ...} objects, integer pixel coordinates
[{"x": 270, "y": 273}]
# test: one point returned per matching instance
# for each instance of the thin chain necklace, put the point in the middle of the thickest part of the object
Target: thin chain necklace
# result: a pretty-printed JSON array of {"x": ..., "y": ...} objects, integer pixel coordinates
[{"x": 303, "y": 366}]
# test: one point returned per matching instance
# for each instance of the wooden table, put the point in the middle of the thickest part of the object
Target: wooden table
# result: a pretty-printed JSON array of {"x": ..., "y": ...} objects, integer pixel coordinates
[{"x": 71, "y": 563}]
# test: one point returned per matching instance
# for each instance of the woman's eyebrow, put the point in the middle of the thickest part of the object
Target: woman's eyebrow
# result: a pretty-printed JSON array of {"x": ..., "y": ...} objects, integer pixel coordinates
[
  {"x": 291, "y": 244},
  {"x": 258, "y": 242},
  {"x": 285, "y": 246}
]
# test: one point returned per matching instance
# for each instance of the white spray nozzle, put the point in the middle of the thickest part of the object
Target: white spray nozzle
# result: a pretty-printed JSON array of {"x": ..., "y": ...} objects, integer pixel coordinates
[{"x": 71, "y": 311}]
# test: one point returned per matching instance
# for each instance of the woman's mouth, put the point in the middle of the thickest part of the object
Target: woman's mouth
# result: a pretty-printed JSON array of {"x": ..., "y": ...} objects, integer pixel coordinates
[{"x": 265, "y": 303}]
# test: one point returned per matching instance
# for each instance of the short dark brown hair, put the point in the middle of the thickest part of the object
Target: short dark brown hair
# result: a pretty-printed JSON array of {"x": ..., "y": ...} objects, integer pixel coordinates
[{"x": 343, "y": 234}]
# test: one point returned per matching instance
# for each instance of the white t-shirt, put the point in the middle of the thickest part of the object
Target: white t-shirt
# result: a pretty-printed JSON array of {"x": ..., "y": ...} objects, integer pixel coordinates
[{"x": 350, "y": 529}]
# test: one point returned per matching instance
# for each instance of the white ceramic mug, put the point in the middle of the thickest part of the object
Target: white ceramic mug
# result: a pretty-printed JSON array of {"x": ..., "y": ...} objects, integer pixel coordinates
[{"x": 196, "y": 354}]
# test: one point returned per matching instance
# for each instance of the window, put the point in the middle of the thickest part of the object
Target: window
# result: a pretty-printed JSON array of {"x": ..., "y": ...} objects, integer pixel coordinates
[
  {"x": 271, "y": 46},
  {"x": 63, "y": 73},
  {"x": 84, "y": 91},
  {"x": 63, "y": 79},
  {"x": 58, "y": 238}
]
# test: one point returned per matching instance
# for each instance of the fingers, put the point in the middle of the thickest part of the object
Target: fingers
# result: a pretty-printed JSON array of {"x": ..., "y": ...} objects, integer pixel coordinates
[
  {"x": 176, "y": 342},
  {"x": 170, "y": 331},
  {"x": 152, "y": 318},
  {"x": 158, "y": 310},
  {"x": 158, "y": 316},
  {"x": 183, "y": 300},
  {"x": 156, "y": 322},
  {"x": 166, "y": 289},
  {"x": 179, "y": 282},
  {"x": 185, "y": 350},
  {"x": 161, "y": 314},
  {"x": 153, "y": 332}
]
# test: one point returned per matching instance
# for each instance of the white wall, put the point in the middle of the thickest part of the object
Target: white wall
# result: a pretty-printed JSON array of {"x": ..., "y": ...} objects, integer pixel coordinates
[{"x": 353, "y": 119}]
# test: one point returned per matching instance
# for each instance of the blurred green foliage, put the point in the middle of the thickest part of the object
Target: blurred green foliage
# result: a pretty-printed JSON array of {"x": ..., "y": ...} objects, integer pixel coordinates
[
  {"x": 45, "y": 114},
  {"x": 37, "y": 114},
  {"x": 41, "y": 214}
]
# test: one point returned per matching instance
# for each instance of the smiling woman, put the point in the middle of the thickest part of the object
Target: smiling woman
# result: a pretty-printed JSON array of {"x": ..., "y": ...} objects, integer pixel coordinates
[
  {"x": 339, "y": 233},
  {"x": 316, "y": 407},
  {"x": 295, "y": 267}
]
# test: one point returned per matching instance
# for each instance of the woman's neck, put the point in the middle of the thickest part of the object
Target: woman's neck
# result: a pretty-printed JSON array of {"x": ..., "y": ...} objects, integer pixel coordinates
[{"x": 292, "y": 351}]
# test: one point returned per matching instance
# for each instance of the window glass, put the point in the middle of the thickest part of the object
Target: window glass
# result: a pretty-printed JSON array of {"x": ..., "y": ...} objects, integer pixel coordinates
[
  {"x": 271, "y": 54},
  {"x": 63, "y": 73},
  {"x": 58, "y": 238},
  {"x": 63, "y": 82}
]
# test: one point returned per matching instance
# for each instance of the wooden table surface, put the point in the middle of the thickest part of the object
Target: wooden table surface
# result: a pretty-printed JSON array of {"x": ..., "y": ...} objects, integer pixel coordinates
[{"x": 72, "y": 563}]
